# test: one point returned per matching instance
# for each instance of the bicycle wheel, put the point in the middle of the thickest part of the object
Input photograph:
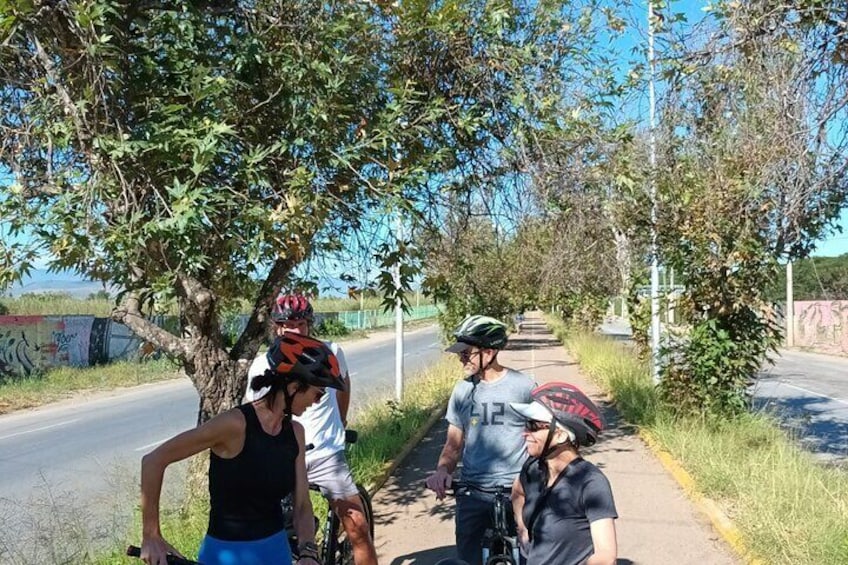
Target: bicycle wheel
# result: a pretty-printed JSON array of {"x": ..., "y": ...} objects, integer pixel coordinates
[
  {"x": 365, "y": 499},
  {"x": 345, "y": 549}
]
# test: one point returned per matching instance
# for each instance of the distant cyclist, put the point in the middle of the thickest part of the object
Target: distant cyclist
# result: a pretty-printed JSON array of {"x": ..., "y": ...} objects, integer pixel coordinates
[
  {"x": 564, "y": 505},
  {"x": 324, "y": 424},
  {"x": 482, "y": 431},
  {"x": 256, "y": 459},
  {"x": 519, "y": 320}
]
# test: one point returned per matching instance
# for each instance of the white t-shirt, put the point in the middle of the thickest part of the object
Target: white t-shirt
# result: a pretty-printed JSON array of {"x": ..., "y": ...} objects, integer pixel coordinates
[{"x": 322, "y": 422}]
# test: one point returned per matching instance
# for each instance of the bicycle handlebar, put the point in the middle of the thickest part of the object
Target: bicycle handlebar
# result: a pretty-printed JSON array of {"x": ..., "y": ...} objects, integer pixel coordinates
[
  {"x": 135, "y": 551},
  {"x": 460, "y": 485}
]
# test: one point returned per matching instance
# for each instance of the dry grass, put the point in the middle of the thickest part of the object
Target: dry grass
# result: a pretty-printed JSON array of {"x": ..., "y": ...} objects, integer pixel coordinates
[{"x": 790, "y": 508}]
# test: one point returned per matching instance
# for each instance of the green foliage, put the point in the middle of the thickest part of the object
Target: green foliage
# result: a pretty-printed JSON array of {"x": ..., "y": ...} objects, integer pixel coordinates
[
  {"x": 639, "y": 312},
  {"x": 814, "y": 278},
  {"x": 711, "y": 371},
  {"x": 195, "y": 156},
  {"x": 583, "y": 310},
  {"x": 99, "y": 295},
  {"x": 739, "y": 188},
  {"x": 469, "y": 273},
  {"x": 330, "y": 327}
]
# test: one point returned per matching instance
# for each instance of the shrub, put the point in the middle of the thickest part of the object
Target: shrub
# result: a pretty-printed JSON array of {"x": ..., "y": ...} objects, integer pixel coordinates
[{"x": 331, "y": 327}]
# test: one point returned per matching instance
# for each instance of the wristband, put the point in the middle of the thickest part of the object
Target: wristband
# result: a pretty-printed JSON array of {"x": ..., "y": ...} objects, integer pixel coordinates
[{"x": 307, "y": 549}]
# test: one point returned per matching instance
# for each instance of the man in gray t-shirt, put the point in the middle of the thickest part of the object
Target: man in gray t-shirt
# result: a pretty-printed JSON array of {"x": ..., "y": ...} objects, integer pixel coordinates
[
  {"x": 494, "y": 445},
  {"x": 482, "y": 431}
]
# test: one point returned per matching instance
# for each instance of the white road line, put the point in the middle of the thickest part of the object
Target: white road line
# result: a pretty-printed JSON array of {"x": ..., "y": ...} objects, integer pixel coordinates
[
  {"x": 149, "y": 445},
  {"x": 65, "y": 423},
  {"x": 839, "y": 400}
]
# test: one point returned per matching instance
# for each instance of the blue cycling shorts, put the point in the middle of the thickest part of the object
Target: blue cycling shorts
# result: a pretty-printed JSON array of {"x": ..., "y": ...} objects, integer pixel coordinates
[{"x": 273, "y": 550}]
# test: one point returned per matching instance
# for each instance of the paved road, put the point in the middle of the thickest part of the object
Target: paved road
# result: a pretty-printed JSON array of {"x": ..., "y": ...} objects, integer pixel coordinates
[
  {"x": 807, "y": 391},
  {"x": 76, "y": 459}
]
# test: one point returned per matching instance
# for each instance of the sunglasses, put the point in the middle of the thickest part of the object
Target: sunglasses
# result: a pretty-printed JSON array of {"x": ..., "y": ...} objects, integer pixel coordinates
[
  {"x": 535, "y": 425},
  {"x": 465, "y": 356}
]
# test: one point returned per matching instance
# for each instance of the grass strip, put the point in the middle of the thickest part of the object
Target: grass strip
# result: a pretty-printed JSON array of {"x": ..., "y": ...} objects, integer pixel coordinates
[
  {"x": 788, "y": 507},
  {"x": 64, "y": 382},
  {"x": 384, "y": 429}
]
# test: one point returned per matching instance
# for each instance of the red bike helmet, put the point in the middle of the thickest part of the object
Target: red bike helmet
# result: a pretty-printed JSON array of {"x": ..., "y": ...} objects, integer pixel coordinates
[
  {"x": 565, "y": 404},
  {"x": 305, "y": 359},
  {"x": 291, "y": 307}
]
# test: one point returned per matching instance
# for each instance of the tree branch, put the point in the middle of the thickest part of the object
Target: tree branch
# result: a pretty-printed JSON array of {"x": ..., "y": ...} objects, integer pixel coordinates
[
  {"x": 254, "y": 333},
  {"x": 130, "y": 315}
]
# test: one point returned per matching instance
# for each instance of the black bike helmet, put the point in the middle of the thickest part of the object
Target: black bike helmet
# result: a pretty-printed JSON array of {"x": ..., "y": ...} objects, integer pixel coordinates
[
  {"x": 564, "y": 404},
  {"x": 479, "y": 331},
  {"x": 291, "y": 307},
  {"x": 305, "y": 359}
]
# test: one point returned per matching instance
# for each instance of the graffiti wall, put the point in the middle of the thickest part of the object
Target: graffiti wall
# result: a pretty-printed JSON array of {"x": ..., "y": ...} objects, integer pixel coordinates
[
  {"x": 34, "y": 343},
  {"x": 822, "y": 325},
  {"x": 29, "y": 344}
]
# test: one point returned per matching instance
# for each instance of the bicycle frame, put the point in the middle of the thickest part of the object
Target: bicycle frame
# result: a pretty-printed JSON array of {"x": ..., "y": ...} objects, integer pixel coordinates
[
  {"x": 500, "y": 544},
  {"x": 331, "y": 550}
]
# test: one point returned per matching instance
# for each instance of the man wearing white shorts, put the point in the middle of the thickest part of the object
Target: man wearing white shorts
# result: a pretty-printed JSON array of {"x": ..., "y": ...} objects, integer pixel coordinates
[{"x": 324, "y": 424}]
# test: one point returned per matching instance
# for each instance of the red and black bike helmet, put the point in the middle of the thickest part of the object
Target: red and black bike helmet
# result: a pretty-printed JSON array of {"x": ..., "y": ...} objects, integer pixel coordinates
[
  {"x": 291, "y": 307},
  {"x": 564, "y": 404},
  {"x": 305, "y": 359}
]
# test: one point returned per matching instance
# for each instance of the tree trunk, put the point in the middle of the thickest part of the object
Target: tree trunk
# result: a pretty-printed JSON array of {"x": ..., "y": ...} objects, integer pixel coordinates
[
  {"x": 624, "y": 258},
  {"x": 220, "y": 381}
]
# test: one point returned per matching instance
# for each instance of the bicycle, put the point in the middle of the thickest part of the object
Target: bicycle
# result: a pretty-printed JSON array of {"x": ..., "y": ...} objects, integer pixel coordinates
[
  {"x": 500, "y": 543},
  {"x": 335, "y": 548}
]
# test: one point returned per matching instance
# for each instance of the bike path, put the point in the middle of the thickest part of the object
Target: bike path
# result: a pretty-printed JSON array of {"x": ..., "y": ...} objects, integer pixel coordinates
[{"x": 657, "y": 525}]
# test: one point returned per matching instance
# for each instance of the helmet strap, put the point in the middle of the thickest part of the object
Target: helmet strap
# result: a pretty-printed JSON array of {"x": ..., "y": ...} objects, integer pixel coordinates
[
  {"x": 551, "y": 448},
  {"x": 483, "y": 368},
  {"x": 288, "y": 398}
]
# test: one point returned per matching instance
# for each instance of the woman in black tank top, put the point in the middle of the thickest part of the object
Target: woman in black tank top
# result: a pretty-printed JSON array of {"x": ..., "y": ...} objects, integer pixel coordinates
[{"x": 256, "y": 459}]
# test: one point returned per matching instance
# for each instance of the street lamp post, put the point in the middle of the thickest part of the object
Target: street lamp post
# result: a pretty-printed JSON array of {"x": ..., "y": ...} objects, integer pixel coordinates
[{"x": 655, "y": 276}]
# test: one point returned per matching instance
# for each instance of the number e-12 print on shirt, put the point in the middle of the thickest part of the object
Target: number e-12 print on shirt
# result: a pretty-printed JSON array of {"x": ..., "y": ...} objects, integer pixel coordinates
[{"x": 492, "y": 414}]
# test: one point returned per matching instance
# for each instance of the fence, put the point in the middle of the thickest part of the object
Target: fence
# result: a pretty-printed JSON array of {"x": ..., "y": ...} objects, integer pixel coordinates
[
  {"x": 370, "y": 319},
  {"x": 33, "y": 343}
]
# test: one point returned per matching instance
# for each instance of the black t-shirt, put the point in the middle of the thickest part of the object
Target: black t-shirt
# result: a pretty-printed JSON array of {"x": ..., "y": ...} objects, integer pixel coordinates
[{"x": 559, "y": 533}]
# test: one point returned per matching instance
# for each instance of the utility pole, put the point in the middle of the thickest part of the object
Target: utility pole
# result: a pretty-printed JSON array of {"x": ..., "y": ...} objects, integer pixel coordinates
[
  {"x": 790, "y": 307},
  {"x": 655, "y": 275},
  {"x": 398, "y": 318}
]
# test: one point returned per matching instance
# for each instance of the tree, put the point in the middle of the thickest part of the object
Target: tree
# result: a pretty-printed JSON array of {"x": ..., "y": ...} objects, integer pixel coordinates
[
  {"x": 814, "y": 278},
  {"x": 751, "y": 171},
  {"x": 198, "y": 152},
  {"x": 468, "y": 272},
  {"x": 553, "y": 237}
]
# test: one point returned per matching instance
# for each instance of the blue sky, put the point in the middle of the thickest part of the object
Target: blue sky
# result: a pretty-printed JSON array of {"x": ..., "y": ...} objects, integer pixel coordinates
[{"x": 836, "y": 243}]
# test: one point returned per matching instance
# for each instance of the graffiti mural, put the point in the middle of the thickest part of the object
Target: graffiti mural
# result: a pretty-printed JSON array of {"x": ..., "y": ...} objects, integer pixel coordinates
[
  {"x": 29, "y": 344},
  {"x": 26, "y": 344},
  {"x": 822, "y": 325},
  {"x": 16, "y": 353},
  {"x": 33, "y": 343}
]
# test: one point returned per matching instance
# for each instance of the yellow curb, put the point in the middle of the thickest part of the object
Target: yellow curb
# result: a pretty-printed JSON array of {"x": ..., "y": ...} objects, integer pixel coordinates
[
  {"x": 720, "y": 521},
  {"x": 390, "y": 466}
]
